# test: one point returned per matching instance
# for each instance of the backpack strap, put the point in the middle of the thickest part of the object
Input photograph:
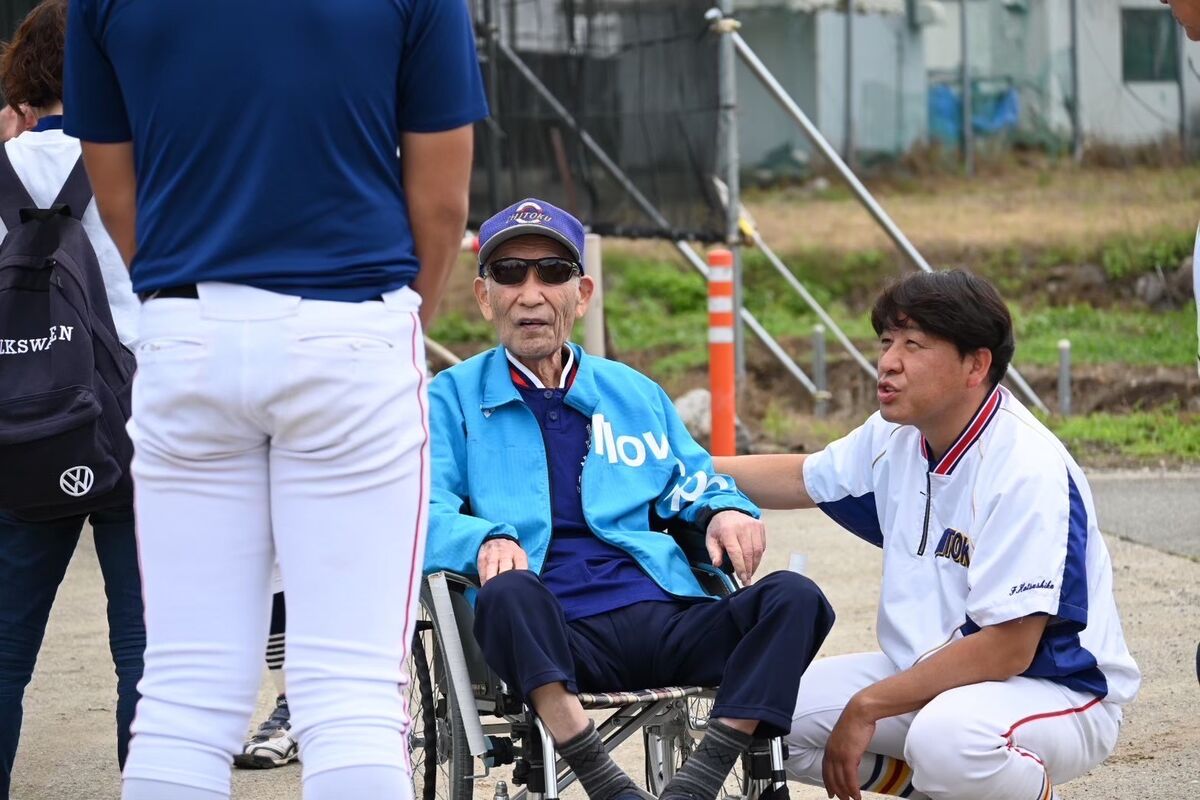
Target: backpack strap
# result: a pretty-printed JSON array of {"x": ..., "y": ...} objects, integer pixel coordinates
[
  {"x": 13, "y": 194},
  {"x": 76, "y": 193}
]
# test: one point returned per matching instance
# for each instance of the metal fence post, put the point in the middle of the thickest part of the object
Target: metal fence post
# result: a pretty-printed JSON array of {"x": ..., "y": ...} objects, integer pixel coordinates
[
  {"x": 1064, "y": 377},
  {"x": 819, "y": 377},
  {"x": 593, "y": 322}
]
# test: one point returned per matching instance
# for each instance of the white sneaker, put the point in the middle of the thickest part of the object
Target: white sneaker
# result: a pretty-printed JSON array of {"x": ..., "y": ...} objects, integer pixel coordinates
[{"x": 272, "y": 745}]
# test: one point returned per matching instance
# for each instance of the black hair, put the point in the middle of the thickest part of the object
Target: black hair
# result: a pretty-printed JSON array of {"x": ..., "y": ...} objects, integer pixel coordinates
[{"x": 953, "y": 305}]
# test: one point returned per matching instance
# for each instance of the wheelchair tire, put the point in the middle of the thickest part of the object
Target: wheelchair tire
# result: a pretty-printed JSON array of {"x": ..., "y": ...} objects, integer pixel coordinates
[
  {"x": 667, "y": 747},
  {"x": 442, "y": 764}
]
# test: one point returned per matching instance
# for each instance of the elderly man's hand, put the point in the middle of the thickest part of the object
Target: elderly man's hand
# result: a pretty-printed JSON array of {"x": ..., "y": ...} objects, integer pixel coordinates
[
  {"x": 499, "y": 555},
  {"x": 740, "y": 536}
]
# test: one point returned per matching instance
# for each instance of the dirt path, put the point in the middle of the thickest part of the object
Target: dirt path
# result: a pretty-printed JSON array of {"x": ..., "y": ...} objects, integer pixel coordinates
[{"x": 67, "y": 746}]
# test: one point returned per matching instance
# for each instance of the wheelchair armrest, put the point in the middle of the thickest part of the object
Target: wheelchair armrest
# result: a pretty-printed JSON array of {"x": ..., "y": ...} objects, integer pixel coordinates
[
  {"x": 717, "y": 581},
  {"x": 462, "y": 580},
  {"x": 690, "y": 539}
]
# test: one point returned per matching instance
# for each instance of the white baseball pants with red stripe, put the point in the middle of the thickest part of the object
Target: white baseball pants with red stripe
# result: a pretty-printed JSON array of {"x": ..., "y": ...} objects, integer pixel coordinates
[
  {"x": 270, "y": 427},
  {"x": 1010, "y": 740}
]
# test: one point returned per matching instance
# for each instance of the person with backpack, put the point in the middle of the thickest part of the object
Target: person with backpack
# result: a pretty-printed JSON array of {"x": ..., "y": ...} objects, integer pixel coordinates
[
  {"x": 65, "y": 300},
  {"x": 287, "y": 266}
]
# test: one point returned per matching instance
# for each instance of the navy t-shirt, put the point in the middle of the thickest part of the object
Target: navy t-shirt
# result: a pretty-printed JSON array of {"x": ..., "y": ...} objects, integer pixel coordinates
[
  {"x": 588, "y": 575},
  {"x": 265, "y": 133}
]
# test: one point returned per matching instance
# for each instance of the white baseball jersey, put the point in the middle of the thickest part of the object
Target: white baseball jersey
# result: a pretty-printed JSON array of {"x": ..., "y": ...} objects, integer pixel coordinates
[
  {"x": 1001, "y": 527},
  {"x": 1196, "y": 288}
]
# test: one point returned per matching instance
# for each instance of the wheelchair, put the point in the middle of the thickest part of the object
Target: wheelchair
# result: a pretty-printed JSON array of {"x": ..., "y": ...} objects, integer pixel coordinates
[{"x": 451, "y": 692}]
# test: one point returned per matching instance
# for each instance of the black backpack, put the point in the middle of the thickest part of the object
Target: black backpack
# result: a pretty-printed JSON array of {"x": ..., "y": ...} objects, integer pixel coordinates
[{"x": 64, "y": 375}]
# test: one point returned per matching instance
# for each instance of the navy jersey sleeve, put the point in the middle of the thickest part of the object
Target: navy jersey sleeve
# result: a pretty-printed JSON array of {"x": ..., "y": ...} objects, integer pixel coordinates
[
  {"x": 93, "y": 106},
  {"x": 440, "y": 87}
]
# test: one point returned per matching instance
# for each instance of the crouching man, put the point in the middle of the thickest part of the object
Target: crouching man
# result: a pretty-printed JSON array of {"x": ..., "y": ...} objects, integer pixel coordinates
[{"x": 1003, "y": 667}]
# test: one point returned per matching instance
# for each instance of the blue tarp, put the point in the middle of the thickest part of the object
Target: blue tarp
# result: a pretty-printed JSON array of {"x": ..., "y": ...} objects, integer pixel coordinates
[{"x": 992, "y": 112}]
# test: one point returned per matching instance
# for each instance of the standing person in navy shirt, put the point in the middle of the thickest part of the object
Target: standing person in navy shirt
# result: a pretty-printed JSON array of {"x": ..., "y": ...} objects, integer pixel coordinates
[
  {"x": 34, "y": 554},
  {"x": 286, "y": 265}
]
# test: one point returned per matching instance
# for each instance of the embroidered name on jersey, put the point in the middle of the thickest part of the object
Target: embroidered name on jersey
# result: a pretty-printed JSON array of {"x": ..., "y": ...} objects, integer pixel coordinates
[{"x": 956, "y": 546}]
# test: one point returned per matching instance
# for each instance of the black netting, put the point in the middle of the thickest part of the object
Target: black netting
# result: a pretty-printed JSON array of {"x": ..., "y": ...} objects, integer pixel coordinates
[
  {"x": 11, "y": 14},
  {"x": 639, "y": 76}
]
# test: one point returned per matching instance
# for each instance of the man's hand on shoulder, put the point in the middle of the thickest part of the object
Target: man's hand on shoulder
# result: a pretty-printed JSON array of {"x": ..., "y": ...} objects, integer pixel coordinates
[
  {"x": 740, "y": 536},
  {"x": 499, "y": 555}
]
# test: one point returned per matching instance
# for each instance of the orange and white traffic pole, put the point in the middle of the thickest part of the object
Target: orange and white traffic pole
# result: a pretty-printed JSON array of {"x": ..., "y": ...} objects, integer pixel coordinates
[{"x": 722, "y": 360}]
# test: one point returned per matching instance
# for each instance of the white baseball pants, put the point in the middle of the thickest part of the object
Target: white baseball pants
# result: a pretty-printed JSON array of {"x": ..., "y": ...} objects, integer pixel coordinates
[
  {"x": 1010, "y": 740},
  {"x": 269, "y": 427}
]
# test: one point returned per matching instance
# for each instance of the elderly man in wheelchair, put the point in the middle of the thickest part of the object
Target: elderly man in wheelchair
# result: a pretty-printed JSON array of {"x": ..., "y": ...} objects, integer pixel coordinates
[{"x": 554, "y": 474}]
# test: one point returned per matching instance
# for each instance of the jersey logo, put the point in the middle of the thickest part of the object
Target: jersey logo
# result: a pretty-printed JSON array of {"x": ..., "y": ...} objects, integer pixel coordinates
[
  {"x": 699, "y": 482},
  {"x": 956, "y": 546},
  {"x": 629, "y": 450},
  {"x": 1026, "y": 586}
]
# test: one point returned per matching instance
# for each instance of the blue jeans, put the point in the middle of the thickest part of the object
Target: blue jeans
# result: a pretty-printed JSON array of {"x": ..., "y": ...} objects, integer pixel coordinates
[{"x": 33, "y": 561}]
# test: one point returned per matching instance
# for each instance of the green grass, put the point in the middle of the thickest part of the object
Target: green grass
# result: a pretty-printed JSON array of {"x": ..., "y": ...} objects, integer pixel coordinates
[
  {"x": 661, "y": 306},
  {"x": 453, "y": 327},
  {"x": 1103, "y": 336},
  {"x": 1125, "y": 256},
  {"x": 1163, "y": 433}
]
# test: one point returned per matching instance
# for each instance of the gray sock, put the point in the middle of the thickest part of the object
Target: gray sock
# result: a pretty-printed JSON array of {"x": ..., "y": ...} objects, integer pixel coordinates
[
  {"x": 705, "y": 771},
  {"x": 601, "y": 778}
]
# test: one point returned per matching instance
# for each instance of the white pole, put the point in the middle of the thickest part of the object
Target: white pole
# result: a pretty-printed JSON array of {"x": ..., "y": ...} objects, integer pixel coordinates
[{"x": 593, "y": 322}]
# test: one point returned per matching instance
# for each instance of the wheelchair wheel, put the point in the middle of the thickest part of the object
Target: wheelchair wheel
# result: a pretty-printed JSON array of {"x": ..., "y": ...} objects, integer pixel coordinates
[
  {"x": 669, "y": 742},
  {"x": 441, "y": 762}
]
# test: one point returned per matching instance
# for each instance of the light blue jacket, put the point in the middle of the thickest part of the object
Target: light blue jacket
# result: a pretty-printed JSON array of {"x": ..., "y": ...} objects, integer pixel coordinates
[{"x": 490, "y": 475}]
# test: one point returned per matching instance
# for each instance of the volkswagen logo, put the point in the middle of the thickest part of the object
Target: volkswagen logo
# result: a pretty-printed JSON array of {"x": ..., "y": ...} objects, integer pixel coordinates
[{"x": 77, "y": 481}]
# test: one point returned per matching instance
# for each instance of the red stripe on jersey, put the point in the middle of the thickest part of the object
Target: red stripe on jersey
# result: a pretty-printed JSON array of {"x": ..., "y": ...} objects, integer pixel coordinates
[
  {"x": 971, "y": 435},
  {"x": 518, "y": 378}
]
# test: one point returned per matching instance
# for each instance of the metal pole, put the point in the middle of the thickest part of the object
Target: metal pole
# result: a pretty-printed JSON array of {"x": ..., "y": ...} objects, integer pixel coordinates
[
  {"x": 492, "y": 28},
  {"x": 968, "y": 129},
  {"x": 593, "y": 322},
  {"x": 760, "y": 70},
  {"x": 728, "y": 137},
  {"x": 1076, "y": 98},
  {"x": 1180, "y": 77},
  {"x": 795, "y": 283},
  {"x": 440, "y": 351},
  {"x": 851, "y": 145},
  {"x": 819, "y": 377},
  {"x": 689, "y": 253},
  {"x": 1064, "y": 377},
  {"x": 822, "y": 144}
]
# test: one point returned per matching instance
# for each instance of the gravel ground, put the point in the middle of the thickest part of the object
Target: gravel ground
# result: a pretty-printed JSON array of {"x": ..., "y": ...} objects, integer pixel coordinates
[{"x": 67, "y": 749}]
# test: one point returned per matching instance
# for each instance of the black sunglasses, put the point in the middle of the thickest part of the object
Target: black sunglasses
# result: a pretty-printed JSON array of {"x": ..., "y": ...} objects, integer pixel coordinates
[{"x": 512, "y": 271}]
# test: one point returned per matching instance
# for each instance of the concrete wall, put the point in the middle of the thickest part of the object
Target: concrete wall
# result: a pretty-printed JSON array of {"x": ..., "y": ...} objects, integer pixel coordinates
[
  {"x": 786, "y": 43},
  {"x": 890, "y": 97},
  {"x": 1033, "y": 48},
  {"x": 806, "y": 53},
  {"x": 1114, "y": 111}
]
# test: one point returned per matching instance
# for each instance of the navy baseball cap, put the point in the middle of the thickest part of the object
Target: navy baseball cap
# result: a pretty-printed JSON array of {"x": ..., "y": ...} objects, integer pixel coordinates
[{"x": 531, "y": 217}]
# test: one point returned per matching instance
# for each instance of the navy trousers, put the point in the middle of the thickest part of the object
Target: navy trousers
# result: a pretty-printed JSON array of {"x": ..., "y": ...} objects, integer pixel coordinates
[
  {"x": 755, "y": 644},
  {"x": 33, "y": 560}
]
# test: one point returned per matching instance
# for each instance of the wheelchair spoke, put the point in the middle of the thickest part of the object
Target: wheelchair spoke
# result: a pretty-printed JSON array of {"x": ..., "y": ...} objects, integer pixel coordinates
[{"x": 436, "y": 742}]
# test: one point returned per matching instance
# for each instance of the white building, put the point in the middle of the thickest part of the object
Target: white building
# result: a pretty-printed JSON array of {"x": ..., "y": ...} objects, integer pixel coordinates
[
  {"x": 1132, "y": 62},
  {"x": 802, "y": 42}
]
